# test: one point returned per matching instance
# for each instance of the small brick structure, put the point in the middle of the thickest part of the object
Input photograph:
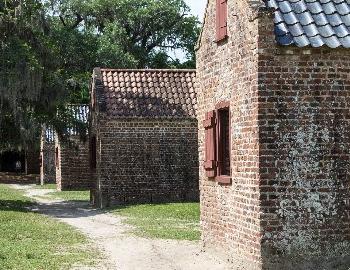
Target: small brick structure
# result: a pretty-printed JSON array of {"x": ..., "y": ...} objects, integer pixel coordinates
[
  {"x": 285, "y": 201},
  {"x": 72, "y": 156},
  {"x": 47, "y": 157},
  {"x": 143, "y": 136}
]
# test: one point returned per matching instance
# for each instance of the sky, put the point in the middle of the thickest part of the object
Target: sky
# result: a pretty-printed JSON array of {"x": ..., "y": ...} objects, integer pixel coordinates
[{"x": 197, "y": 7}]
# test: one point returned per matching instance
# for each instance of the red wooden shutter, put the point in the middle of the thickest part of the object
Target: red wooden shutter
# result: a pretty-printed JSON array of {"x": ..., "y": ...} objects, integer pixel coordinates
[
  {"x": 221, "y": 19},
  {"x": 210, "y": 146}
]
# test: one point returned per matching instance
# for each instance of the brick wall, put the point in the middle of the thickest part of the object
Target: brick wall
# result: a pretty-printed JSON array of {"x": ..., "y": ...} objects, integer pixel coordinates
[
  {"x": 142, "y": 160},
  {"x": 48, "y": 168},
  {"x": 228, "y": 71},
  {"x": 73, "y": 170},
  {"x": 304, "y": 125},
  {"x": 288, "y": 204}
]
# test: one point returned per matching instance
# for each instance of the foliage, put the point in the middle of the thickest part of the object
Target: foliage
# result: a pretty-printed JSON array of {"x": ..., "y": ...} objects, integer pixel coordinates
[
  {"x": 32, "y": 241},
  {"x": 49, "y": 47},
  {"x": 167, "y": 221}
]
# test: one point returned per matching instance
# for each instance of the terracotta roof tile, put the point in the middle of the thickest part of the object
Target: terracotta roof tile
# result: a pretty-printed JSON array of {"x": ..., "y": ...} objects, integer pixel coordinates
[{"x": 148, "y": 93}]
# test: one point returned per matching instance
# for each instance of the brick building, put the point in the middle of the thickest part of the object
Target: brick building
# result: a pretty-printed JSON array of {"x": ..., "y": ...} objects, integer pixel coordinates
[
  {"x": 274, "y": 126},
  {"x": 72, "y": 156},
  {"x": 47, "y": 157},
  {"x": 144, "y": 140}
]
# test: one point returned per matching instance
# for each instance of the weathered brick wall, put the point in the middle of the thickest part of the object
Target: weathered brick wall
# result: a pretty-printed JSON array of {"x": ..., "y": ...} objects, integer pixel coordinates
[
  {"x": 288, "y": 205},
  {"x": 142, "y": 160},
  {"x": 228, "y": 71},
  {"x": 304, "y": 125},
  {"x": 73, "y": 170},
  {"x": 47, "y": 169}
]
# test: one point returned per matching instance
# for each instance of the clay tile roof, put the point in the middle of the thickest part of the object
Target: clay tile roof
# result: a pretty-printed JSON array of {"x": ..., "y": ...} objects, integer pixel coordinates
[
  {"x": 147, "y": 93},
  {"x": 312, "y": 23}
]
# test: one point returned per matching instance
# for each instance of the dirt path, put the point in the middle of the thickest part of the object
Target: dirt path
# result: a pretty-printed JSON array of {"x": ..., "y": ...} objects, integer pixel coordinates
[{"x": 122, "y": 250}]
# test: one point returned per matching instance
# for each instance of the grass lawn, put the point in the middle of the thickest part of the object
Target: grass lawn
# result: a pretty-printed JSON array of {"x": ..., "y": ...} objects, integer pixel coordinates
[
  {"x": 167, "y": 221},
  {"x": 81, "y": 195},
  {"x": 32, "y": 241},
  {"x": 46, "y": 186}
]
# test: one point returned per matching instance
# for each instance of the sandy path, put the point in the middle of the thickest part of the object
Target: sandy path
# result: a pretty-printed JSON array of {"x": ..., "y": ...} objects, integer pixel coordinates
[{"x": 122, "y": 250}]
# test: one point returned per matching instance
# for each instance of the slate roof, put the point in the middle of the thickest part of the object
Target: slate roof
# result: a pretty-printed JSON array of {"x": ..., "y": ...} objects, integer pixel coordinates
[
  {"x": 312, "y": 22},
  {"x": 49, "y": 135},
  {"x": 79, "y": 112},
  {"x": 148, "y": 93}
]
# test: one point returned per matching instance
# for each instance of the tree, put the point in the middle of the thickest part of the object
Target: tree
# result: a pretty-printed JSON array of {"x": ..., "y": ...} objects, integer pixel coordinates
[
  {"x": 48, "y": 49},
  {"x": 135, "y": 33}
]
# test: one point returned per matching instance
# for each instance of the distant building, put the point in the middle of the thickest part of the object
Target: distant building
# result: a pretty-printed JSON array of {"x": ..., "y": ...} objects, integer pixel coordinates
[
  {"x": 72, "y": 155},
  {"x": 8, "y": 160},
  {"x": 143, "y": 136},
  {"x": 26, "y": 162},
  {"x": 47, "y": 156}
]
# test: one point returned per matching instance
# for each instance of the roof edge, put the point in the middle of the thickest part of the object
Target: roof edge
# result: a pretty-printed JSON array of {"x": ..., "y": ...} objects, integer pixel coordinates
[
  {"x": 77, "y": 104},
  {"x": 199, "y": 41},
  {"x": 142, "y": 70},
  {"x": 97, "y": 90}
]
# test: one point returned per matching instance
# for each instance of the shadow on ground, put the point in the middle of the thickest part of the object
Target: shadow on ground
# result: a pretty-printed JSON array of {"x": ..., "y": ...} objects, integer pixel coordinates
[{"x": 67, "y": 209}]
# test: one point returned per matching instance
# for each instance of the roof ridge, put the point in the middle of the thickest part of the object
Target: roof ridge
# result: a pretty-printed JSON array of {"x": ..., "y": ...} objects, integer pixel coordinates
[
  {"x": 147, "y": 70},
  {"x": 78, "y": 104}
]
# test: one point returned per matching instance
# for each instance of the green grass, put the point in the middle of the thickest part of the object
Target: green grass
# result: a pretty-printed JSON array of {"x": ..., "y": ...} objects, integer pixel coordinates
[
  {"x": 47, "y": 186},
  {"x": 31, "y": 241},
  {"x": 166, "y": 221},
  {"x": 81, "y": 195}
]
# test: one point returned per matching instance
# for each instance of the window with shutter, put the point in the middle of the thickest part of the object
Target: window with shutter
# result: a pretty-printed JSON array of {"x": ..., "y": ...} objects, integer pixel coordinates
[
  {"x": 221, "y": 20},
  {"x": 210, "y": 146},
  {"x": 223, "y": 145}
]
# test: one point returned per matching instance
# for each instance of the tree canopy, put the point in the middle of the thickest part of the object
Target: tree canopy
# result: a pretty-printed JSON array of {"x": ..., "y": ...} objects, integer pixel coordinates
[{"x": 49, "y": 48}]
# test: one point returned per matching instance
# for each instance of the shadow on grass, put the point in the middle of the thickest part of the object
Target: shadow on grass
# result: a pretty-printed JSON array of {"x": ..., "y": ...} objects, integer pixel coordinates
[
  {"x": 65, "y": 209},
  {"x": 16, "y": 205}
]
